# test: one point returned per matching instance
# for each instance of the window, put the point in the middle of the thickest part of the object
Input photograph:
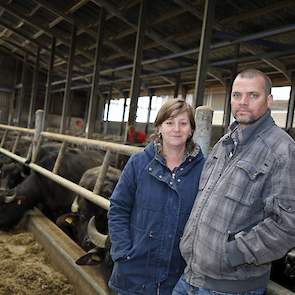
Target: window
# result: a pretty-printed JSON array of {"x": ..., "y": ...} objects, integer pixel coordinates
[{"x": 117, "y": 106}]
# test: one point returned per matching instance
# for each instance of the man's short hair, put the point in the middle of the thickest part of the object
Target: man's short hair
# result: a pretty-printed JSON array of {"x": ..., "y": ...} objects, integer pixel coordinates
[{"x": 252, "y": 73}]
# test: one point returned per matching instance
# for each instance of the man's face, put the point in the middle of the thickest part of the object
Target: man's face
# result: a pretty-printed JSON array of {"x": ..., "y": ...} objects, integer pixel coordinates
[{"x": 248, "y": 100}]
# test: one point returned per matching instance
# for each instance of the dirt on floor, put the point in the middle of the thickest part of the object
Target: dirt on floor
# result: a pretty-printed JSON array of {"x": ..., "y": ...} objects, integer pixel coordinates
[{"x": 25, "y": 268}]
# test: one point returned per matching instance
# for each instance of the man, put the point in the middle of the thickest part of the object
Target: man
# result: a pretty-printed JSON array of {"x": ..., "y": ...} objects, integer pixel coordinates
[{"x": 244, "y": 215}]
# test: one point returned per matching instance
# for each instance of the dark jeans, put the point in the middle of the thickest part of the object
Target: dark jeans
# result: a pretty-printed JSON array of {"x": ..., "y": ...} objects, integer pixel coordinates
[{"x": 184, "y": 288}]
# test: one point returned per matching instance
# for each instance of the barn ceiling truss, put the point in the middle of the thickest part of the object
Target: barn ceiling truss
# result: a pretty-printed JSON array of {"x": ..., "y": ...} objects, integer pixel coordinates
[{"x": 262, "y": 30}]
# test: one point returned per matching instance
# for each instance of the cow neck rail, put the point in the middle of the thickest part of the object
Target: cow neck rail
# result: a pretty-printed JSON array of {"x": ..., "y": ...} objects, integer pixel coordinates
[
  {"x": 103, "y": 145},
  {"x": 96, "y": 199},
  {"x": 20, "y": 129}
]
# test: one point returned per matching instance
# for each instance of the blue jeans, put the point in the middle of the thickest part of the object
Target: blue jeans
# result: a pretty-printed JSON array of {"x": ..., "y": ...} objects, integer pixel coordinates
[{"x": 184, "y": 288}]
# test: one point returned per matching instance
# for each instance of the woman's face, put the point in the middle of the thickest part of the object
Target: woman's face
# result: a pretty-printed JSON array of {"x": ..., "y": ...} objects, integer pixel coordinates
[{"x": 175, "y": 131}]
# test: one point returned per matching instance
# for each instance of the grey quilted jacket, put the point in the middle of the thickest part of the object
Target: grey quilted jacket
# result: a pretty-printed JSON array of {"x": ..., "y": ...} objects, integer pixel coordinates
[{"x": 244, "y": 214}]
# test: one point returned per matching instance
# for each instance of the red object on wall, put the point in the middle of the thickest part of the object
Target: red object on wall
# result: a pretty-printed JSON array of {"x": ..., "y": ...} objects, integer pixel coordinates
[{"x": 136, "y": 136}]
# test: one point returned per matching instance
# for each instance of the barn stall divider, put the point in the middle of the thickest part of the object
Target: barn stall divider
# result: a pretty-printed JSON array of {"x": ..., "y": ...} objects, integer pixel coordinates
[{"x": 61, "y": 249}]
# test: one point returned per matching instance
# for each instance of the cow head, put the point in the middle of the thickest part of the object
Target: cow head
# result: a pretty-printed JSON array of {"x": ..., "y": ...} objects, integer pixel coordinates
[
  {"x": 12, "y": 208},
  {"x": 101, "y": 251},
  {"x": 68, "y": 224},
  {"x": 12, "y": 174},
  {"x": 75, "y": 224}
]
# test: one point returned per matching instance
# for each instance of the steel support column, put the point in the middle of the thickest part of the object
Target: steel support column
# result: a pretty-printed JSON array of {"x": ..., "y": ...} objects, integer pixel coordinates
[
  {"x": 183, "y": 92},
  {"x": 177, "y": 85},
  {"x": 11, "y": 111},
  {"x": 21, "y": 95},
  {"x": 291, "y": 105},
  {"x": 151, "y": 94},
  {"x": 86, "y": 109},
  {"x": 136, "y": 81},
  {"x": 100, "y": 111},
  {"x": 66, "y": 99},
  {"x": 34, "y": 90},
  {"x": 49, "y": 83},
  {"x": 227, "y": 105},
  {"x": 208, "y": 21},
  {"x": 105, "y": 130},
  {"x": 93, "y": 101},
  {"x": 123, "y": 115}
]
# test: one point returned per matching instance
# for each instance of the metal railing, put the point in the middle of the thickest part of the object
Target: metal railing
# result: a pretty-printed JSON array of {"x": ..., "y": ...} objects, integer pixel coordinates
[{"x": 108, "y": 147}]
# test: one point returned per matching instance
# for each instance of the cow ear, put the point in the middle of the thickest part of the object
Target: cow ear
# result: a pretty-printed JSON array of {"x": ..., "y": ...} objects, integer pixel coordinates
[
  {"x": 90, "y": 258},
  {"x": 66, "y": 220}
]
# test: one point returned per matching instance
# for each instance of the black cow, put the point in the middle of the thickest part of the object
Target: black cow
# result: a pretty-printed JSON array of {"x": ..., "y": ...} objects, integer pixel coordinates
[
  {"x": 12, "y": 174},
  {"x": 37, "y": 190},
  {"x": 77, "y": 223},
  {"x": 283, "y": 270},
  {"x": 4, "y": 160},
  {"x": 290, "y": 266}
]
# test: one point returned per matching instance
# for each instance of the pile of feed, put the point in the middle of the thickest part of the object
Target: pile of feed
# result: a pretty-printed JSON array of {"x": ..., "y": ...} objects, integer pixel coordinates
[{"x": 25, "y": 268}]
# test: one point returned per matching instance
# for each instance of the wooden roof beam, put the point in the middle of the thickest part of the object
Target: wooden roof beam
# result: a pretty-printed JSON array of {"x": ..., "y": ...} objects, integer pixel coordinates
[
  {"x": 17, "y": 13},
  {"x": 63, "y": 16},
  {"x": 257, "y": 12},
  {"x": 276, "y": 64},
  {"x": 29, "y": 39},
  {"x": 149, "y": 32},
  {"x": 250, "y": 47}
]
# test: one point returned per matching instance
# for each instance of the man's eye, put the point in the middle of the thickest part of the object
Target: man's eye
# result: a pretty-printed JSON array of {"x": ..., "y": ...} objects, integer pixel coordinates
[
  {"x": 235, "y": 95},
  {"x": 253, "y": 95}
]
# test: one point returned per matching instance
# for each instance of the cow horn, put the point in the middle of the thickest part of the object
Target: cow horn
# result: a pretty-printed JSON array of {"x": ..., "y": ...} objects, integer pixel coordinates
[
  {"x": 9, "y": 199},
  {"x": 75, "y": 205},
  {"x": 97, "y": 238}
]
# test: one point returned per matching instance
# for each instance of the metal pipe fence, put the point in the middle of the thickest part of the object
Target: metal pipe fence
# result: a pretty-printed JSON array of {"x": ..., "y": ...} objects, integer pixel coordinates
[{"x": 52, "y": 175}]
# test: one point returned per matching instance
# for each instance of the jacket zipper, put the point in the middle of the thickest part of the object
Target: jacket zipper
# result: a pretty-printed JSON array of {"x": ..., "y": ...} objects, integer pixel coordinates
[{"x": 158, "y": 289}]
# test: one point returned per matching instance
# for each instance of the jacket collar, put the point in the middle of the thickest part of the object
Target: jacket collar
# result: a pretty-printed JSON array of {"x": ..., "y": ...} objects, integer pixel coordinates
[
  {"x": 152, "y": 150},
  {"x": 248, "y": 134}
]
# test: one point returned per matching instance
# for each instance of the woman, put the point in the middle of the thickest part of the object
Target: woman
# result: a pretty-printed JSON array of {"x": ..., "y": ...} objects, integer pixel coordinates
[{"x": 151, "y": 204}]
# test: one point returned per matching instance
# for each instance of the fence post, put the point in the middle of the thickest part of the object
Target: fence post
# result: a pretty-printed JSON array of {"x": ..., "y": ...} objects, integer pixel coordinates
[
  {"x": 38, "y": 129},
  {"x": 202, "y": 134}
]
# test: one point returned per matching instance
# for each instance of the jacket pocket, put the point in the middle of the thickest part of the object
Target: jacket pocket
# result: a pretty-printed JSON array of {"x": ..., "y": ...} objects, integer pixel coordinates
[
  {"x": 245, "y": 181},
  {"x": 242, "y": 271},
  {"x": 287, "y": 205}
]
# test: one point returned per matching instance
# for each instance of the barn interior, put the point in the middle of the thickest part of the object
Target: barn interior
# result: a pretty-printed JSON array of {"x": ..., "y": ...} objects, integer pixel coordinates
[
  {"x": 74, "y": 59},
  {"x": 70, "y": 58}
]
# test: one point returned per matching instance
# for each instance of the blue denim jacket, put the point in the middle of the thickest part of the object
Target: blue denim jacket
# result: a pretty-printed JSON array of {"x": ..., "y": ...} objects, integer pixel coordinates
[{"x": 149, "y": 209}]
